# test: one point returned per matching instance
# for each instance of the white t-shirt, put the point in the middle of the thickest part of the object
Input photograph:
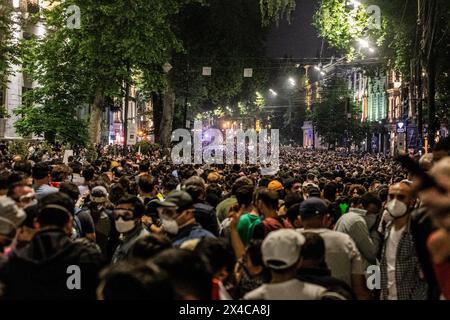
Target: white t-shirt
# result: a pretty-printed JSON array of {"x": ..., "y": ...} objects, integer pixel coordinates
[
  {"x": 391, "y": 257},
  {"x": 341, "y": 254},
  {"x": 290, "y": 290}
]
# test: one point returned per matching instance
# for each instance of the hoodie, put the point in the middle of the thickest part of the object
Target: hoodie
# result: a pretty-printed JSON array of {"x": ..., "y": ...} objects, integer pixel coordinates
[{"x": 40, "y": 270}]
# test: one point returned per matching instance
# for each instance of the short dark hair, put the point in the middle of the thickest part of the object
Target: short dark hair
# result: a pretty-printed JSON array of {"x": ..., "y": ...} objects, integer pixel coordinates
[
  {"x": 240, "y": 182},
  {"x": 50, "y": 216},
  {"x": 146, "y": 183},
  {"x": 4, "y": 176},
  {"x": 149, "y": 246},
  {"x": 244, "y": 195},
  {"x": 329, "y": 191},
  {"x": 40, "y": 170},
  {"x": 88, "y": 173},
  {"x": 71, "y": 189},
  {"x": 313, "y": 248},
  {"x": 133, "y": 280},
  {"x": 269, "y": 198},
  {"x": 370, "y": 198},
  {"x": 76, "y": 166},
  {"x": 144, "y": 166},
  {"x": 188, "y": 271},
  {"x": 139, "y": 208},
  {"x": 289, "y": 183},
  {"x": 218, "y": 252},
  {"x": 23, "y": 166}
]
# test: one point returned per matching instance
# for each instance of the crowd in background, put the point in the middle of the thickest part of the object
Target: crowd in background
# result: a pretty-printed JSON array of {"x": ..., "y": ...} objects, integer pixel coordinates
[{"x": 140, "y": 227}]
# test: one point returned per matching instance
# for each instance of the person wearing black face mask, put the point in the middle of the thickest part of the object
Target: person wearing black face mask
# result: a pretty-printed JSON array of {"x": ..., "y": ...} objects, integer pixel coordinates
[
  {"x": 127, "y": 215},
  {"x": 401, "y": 274}
]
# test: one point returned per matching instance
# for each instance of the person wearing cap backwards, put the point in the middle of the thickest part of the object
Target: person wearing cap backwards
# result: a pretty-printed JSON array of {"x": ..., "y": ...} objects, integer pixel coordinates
[
  {"x": 40, "y": 270},
  {"x": 281, "y": 254},
  {"x": 127, "y": 214},
  {"x": 341, "y": 254},
  {"x": 178, "y": 219}
]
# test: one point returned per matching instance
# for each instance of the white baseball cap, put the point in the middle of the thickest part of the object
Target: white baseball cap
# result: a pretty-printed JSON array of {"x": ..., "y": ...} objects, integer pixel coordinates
[{"x": 281, "y": 248}]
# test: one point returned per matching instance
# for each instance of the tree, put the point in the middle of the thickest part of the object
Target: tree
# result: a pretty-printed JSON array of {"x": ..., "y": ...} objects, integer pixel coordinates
[
  {"x": 413, "y": 38},
  {"x": 336, "y": 118},
  {"x": 273, "y": 10},
  {"x": 228, "y": 37},
  {"x": 117, "y": 43},
  {"x": 7, "y": 46}
]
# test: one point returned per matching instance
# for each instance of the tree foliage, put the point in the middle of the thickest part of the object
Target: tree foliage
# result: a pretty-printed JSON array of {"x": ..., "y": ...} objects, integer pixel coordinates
[
  {"x": 119, "y": 42},
  {"x": 274, "y": 10},
  {"x": 335, "y": 118},
  {"x": 7, "y": 45}
]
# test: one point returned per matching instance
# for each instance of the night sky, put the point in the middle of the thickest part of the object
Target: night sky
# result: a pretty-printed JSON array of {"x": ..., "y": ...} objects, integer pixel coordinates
[{"x": 298, "y": 39}]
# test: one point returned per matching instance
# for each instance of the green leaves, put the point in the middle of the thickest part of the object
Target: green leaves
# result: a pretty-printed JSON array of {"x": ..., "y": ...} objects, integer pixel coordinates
[{"x": 274, "y": 10}]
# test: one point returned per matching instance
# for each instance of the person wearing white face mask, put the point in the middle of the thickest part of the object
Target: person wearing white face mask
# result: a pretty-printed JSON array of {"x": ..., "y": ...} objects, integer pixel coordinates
[
  {"x": 401, "y": 275},
  {"x": 178, "y": 220},
  {"x": 127, "y": 215}
]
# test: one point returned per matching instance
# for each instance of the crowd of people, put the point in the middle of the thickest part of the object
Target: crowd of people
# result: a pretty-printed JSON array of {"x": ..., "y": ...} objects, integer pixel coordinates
[{"x": 140, "y": 227}]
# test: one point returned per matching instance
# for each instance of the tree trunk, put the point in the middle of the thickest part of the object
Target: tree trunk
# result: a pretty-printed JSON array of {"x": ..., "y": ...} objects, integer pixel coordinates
[
  {"x": 167, "y": 117},
  {"x": 157, "y": 115},
  {"x": 96, "y": 118}
]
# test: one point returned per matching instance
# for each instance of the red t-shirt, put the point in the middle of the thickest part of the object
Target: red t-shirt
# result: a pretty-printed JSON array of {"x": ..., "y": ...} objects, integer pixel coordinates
[{"x": 442, "y": 271}]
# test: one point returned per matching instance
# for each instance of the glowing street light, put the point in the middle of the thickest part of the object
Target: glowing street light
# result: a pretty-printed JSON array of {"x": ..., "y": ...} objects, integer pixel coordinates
[
  {"x": 363, "y": 43},
  {"x": 317, "y": 68},
  {"x": 273, "y": 92},
  {"x": 371, "y": 50},
  {"x": 322, "y": 73},
  {"x": 355, "y": 3},
  {"x": 292, "y": 82}
]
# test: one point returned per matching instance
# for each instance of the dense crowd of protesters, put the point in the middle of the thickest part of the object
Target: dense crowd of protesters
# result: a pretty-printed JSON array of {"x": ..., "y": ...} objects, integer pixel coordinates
[{"x": 143, "y": 228}]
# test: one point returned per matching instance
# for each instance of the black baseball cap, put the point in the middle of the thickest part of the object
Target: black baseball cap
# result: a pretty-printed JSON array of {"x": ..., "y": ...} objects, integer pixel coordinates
[
  {"x": 312, "y": 207},
  {"x": 179, "y": 200}
]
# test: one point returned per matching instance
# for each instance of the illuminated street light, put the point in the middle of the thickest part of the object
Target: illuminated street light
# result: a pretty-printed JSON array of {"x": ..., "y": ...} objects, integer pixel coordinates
[
  {"x": 16, "y": 4},
  {"x": 363, "y": 43},
  {"x": 355, "y": 3},
  {"x": 292, "y": 82},
  {"x": 371, "y": 50},
  {"x": 317, "y": 68},
  {"x": 322, "y": 73},
  {"x": 273, "y": 92}
]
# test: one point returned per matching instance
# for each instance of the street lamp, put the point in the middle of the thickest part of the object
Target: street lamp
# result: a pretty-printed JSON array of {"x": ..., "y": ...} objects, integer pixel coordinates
[
  {"x": 273, "y": 92},
  {"x": 292, "y": 82},
  {"x": 363, "y": 43}
]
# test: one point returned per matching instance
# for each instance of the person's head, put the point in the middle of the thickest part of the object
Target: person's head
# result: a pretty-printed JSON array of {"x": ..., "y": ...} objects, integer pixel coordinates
[
  {"x": 176, "y": 211},
  {"x": 28, "y": 229},
  {"x": 117, "y": 192},
  {"x": 357, "y": 190},
  {"x": 293, "y": 215},
  {"x": 149, "y": 246},
  {"x": 196, "y": 181},
  {"x": 314, "y": 213},
  {"x": 252, "y": 261},
  {"x": 71, "y": 189},
  {"x": 99, "y": 196},
  {"x": 240, "y": 182},
  {"x": 196, "y": 192},
  {"x": 4, "y": 176},
  {"x": 41, "y": 173},
  {"x": 329, "y": 192},
  {"x": 88, "y": 173},
  {"x": 134, "y": 280},
  {"x": 128, "y": 213},
  {"x": 76, "y": 167},
  {"x": 401, "y": 199},
  {"x": 188, "y": 272},
  {"x": 369, "y": 202},
  {"x": 22, "y": 194},
  {"x": 144, "y": 166},
  {"x": 147, "y": 185},
  {"x": 244, "y": 195},
  {"x": 293, "y": 186},
  {"x": 267, "y": 202},
  {"x": 281, "y": 251},
  {"x": 219, "y": 254},
  {"x": 56, "y": 211},
  {"x": 11, "y": 218},
  {"x": 60, "y": 173},
  {"x": 313, "y": 251},
  {"x": 312, "y": 191},
  {"x": 23, "y": 166}
]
